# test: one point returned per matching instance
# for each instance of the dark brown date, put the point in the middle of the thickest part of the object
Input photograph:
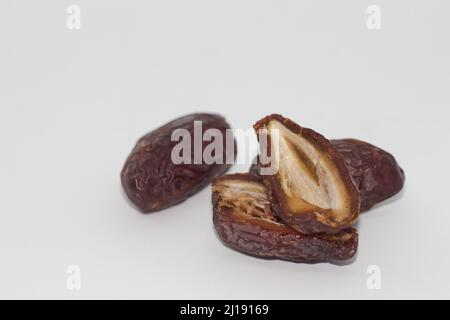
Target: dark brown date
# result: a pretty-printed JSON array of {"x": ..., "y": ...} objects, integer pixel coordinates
[
  {"x": 244, "y": 220},
  {"x": 311, "y": 189},
  {"x": 153, "y": 181},
  {"x": 374, "y": 171}
]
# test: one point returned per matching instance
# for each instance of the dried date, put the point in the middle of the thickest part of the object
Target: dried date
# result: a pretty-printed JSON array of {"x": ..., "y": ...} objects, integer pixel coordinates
[
  {"x": 153, "y": 181},
  {"x": 375, "y": 172},
  {"x": 244, "y": 220},
  {"x": 311, "y": 189}
]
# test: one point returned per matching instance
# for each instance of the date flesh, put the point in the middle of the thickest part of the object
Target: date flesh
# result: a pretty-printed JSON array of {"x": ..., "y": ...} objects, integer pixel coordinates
[
  {"x": 311, "y": 190},
  {"x": 152, "y": 181},
  {"x": 244, "y": 220},
  {"x": 375, "y": 172}
]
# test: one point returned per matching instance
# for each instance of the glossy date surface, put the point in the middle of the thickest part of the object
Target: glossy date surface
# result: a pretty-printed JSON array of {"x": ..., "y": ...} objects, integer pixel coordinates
[
  {"x": 244, "y": 220},
  {"x": 153, "y": 181},
  {"x": 374, "y": 171}
]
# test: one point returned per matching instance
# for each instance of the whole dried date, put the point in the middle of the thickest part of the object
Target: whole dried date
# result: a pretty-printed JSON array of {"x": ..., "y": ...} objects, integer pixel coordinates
[
  {"x": 153, "y": 181},
  {"x": 244, "y": 220},
  {"x": 375, "y": 172},
  {"x": 311, "y": 189}
]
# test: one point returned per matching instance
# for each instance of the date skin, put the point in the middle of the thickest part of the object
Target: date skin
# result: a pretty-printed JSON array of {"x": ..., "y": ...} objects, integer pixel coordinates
[
  {"x": 244, "y": 220},
  {"x": 152, "y": 181},
  {"x": 375, "y": 172}
]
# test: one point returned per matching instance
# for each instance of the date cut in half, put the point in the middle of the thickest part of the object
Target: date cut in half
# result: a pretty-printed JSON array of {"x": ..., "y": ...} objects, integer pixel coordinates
[
  {"x": 244, "y": 220},
  {"x": 311, "y": 189}
]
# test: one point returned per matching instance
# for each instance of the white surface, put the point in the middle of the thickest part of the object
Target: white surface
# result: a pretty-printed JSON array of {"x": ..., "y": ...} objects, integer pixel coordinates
[{"x": 73, "y": 103}]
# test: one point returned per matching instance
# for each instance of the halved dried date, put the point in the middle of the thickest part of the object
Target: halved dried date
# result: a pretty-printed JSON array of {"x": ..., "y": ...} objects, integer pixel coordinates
[
  {"x": 375, "y": 172},
  {"x": 244, "y": 220},
  {"x": 153, "y": 181},
  {"x": 311, "y": 189}
]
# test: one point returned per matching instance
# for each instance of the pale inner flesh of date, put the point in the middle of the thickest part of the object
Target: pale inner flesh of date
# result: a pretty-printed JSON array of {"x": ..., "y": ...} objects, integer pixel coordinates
[
  {"x": 308, "y": 178},
  {"x": 245, "y": 197}
]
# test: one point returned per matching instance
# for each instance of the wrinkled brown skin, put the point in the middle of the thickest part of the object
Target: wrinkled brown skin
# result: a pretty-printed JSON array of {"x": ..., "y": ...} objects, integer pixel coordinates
[
  {"x": 308, "y": 222},
  {"x": 153, "y": 182},
  {"x": 271, "y": 238},
  {"x": 375, "y": 172}
]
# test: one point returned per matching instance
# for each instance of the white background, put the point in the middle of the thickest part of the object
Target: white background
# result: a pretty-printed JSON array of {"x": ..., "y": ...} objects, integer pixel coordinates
[{"x": 73, "y": 103}]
